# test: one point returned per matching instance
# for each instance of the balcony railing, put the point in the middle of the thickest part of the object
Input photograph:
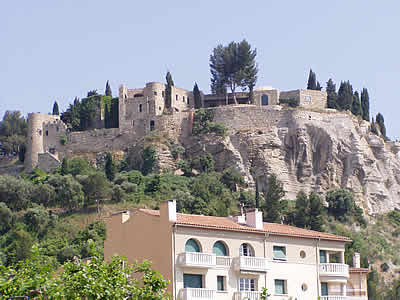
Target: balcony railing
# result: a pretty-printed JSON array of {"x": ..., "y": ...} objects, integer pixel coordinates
[
  {"x": 334, "y": 298},
  {"x": 251, "y": 263},
  {"x": 334, "y": 269},
  {"x": 197, "y": 259},
  {"x": 247, "y": 295},
  {"x": 224, "y": 261},
  {"x": 196, "y": 294}
]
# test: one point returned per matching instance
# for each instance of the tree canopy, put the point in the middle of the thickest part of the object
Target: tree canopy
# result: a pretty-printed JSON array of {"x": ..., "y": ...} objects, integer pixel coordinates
[{"x": 233, "y": 66}]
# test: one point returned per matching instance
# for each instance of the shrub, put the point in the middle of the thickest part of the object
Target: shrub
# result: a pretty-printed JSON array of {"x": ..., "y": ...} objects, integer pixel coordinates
[
  {"x": 291, "y": 102},
  {"x": 149, "y": 159},
  {"x": 385, "y": 267},
  {"x": 203, "y": 123},
  {"x": 177, "y": 152},
  {"x": 63, "y": 139}
]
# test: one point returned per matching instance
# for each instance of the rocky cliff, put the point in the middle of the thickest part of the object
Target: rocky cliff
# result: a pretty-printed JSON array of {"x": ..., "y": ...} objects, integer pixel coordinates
[{"x": 310, "y": 151}]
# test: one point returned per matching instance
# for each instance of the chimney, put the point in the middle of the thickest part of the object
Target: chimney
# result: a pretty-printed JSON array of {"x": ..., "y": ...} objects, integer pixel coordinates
[
  {"x": 168, "y": 210},
  {"x": 125, "y": 216},
  {"x": 241, "y": 219},
  {"x": 356, "y": 260},
  {"x": 254, "y": 218}
]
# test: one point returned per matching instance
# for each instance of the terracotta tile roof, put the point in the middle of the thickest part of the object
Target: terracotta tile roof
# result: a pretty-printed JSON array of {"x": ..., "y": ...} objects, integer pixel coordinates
[
  {"x": 226, "y": 223},
  {"x": 358, "y": 270}
]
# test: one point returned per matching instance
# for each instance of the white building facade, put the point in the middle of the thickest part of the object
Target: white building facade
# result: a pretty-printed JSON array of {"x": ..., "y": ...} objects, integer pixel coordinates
[{"x": 214, "y": 258}]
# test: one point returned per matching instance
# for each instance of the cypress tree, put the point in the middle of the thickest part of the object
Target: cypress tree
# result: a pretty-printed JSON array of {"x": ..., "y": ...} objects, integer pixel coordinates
[
  {"x": 381, "y": 122},
  {"x": 365, "y": 104},
  {"x": 332, "y": 95},
  {"x": 316, "y": 212},
  {"x": 356, "y": 105},
  {"x": 345, "y": 95},
  {"x": 197, "y": 96},
  {"x": 272, "y": 206},
  {"x": 108, "y": 91},
  {"x": 56, "y": 111},
  {"x": 64, "y": 167},
  {"x": 373, "y": 127},
  {"x": 168, "y": 90},
  {"x": 110, "y": 168},
  {"x": 318, "y": 87},
  {"x": 301, "y": 218},
  {"x": 312, "y": 81}
]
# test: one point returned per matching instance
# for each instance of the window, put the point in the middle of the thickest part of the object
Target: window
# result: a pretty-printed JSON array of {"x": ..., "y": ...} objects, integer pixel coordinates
[
  {"x": 159, "y": 108},
  {"x": 264, "y": 100},
  {"x": 137, "y": 95},
  {"x": 221, "y": 286},
  {"x": 152, "y": 125},
  {"x": 280, "y": 287},
  {"x": 322, "y": 257},
  {"x": 308, "y": 99},
  {"x": 183, "y": 98},
  {"x": 304, "y": 287},
  {"x": 324, "y": 289},
  {"x": 247, "y": 284},
  {"x": 187, "y": 100},
  {"x": 155, "y": 93},
  {"x": 177, "y": 97},
  {"x": 302, "y": 254},
  {"x": 219, "y": 249},
  {"x": 133, "y": 123},
  {"x": 279, "y": 253},
  {"x": 193, "y": 281},
  {"x": 52, "y": 150},
  {"x": 140, "y": 107},
  {"x": 246, "y": 250},
  {"x": 163, "y": 94},
  {"x": 47, "y": 132},
  {"x": 192, "y": 246}
]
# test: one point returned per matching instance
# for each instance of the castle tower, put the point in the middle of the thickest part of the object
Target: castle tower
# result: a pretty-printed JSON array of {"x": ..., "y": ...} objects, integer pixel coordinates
[{"x": 35, "y": 138}]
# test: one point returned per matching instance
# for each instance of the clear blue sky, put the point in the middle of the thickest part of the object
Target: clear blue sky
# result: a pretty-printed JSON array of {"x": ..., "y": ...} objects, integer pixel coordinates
[{"x": 56, "y": 50}]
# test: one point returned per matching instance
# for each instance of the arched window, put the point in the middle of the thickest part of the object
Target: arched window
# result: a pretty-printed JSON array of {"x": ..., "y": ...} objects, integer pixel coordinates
[
  {"x": 192, "y": 246},
  {"x": 219, "y": 249},
  {"x": 264, "y": 99},
  {"x": 246, "y": 250}
]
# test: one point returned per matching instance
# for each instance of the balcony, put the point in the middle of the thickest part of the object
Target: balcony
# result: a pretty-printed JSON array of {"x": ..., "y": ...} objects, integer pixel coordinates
[
  {"x": 247, "y": 296},
  {"x": 224, "y": 261},
  {"x": 196, "y": 294},
  {"x": 334, "y": 298},
  {"x": 197, "y": 259},
  {"x": 251, "y": 263},
  {"x": 334, "y": 270}
]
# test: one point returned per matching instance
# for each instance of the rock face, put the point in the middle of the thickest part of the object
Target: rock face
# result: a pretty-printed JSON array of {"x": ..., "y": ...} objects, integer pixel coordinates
[{"x": 309, "y": 151}]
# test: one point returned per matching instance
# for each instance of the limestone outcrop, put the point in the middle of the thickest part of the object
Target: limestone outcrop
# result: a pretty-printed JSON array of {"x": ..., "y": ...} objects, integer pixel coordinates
[{"x": 309, "y": 151}]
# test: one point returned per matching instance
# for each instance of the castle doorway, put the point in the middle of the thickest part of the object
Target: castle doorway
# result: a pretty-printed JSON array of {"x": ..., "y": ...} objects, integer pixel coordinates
[{"x": 264, "y": 99}]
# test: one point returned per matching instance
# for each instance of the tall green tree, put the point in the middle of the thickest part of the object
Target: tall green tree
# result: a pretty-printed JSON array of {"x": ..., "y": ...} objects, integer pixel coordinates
[
  {"x": 373, "y": 127},
  {"x": 301, "y": 217},
  {"x": 273, "y": 205},
  {"x": 110, "y": 168},
  {"x": 233, "y": 66},
  {"x": 108, "y": 91},
  {"x": 197, "y": 97},
  {"x": 345, "y": 96},
  {"x": 312, "y": 81},
  {"x": 332, "y": 95},
  {"x": 365, "y": 104},
  {"x": 13, "y": 132},
  {"x": 56, "y": 111},
  {"x": 318, "y": 87},
  {"x": 316, "y": 212},
  {"x": 356, "y": 105},
  {"x": 168, "y": 90},
  {"x": 381, "y": 122}
]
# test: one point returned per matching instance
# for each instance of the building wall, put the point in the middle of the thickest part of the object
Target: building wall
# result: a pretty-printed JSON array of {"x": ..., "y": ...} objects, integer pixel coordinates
[
  {"x": 139, "y": 237},
  {"x": 273, "y": 97}
]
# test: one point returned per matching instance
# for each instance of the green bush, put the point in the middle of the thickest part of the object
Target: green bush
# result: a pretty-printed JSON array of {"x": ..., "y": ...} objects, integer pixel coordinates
[
  {"x": 203, "y": 123},
  {"x": 63, "y": 139},
  {"x": 291, "y": 102}
]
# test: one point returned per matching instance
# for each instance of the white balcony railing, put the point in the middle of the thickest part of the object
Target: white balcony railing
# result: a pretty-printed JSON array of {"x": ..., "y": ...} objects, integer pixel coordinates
[
  {"x": 333, "y": 298},
  {"x": 334, "y": 269},
  {"x": 247, "y": 295},
  {"x": 224, "y": 261},
  {"x": 197, "y": 259},
  {"x": 251, "y": 263},
  {"x": 196, "y": 294}
]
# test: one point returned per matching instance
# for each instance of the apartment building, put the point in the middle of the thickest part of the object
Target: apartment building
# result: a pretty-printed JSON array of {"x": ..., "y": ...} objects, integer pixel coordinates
[{"x": 215, "y": 258}]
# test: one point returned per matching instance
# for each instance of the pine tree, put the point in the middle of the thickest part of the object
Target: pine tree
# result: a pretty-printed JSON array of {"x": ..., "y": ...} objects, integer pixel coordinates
[
  {"x": 301, "y": 218},
  {"x": 365, "y": 104},
  {"x": 356, "y": 105},
  {"x": 56, "y": 111},
  {"x": 197, "y": 96},
  {"x": 332, "y": 95},
  {"x": 316, "y": 212},
  {"x": 108, "y": 91},
  {"x": 345, "y": 96},
  {"x": 312, "y": 81},
  {"x": 168, "y": 90},
  {"x": 272, "y": 206}
]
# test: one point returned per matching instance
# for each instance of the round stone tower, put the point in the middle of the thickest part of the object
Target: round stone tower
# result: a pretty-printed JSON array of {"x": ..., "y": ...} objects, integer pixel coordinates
[{"x": 35, "y": 138}]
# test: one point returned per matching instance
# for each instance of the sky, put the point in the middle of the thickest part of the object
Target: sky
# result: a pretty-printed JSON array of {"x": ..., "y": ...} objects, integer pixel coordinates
[{"x": 56, "y": 50}]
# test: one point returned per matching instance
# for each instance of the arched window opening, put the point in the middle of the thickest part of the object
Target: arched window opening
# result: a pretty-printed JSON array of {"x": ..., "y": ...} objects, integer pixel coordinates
[
  {"x": 192, "y": 246},
  {"x": 264, "y": 99},
  {"x": 140, "y": 107},
  {"x": 152, "y": 125},
  {"x": 219, "y": 249},
  {"x": 246, "y": 250}
]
